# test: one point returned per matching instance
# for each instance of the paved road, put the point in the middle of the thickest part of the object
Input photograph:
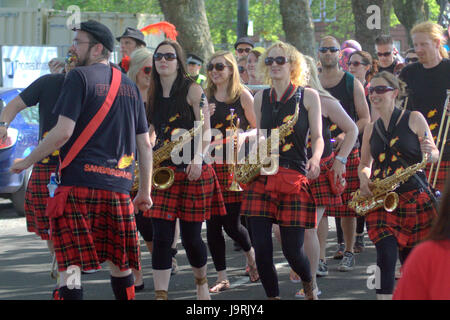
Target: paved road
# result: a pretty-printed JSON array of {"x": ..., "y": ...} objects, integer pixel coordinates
[{"x": 25, "y": 265}]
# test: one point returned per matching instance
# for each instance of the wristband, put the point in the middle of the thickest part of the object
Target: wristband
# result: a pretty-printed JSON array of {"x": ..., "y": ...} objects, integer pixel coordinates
[
  {"x": 4, "y": 124},
  {"x": 341, "y": 159}
]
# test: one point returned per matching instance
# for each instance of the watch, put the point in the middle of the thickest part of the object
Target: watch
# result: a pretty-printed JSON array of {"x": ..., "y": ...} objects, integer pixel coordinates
[
  {"x": 4, "y": 124},
  {"x": 341, "y": 159}
]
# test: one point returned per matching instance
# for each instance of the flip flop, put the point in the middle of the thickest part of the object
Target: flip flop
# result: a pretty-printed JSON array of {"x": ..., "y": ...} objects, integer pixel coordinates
[{"x": 220, "y": 286}]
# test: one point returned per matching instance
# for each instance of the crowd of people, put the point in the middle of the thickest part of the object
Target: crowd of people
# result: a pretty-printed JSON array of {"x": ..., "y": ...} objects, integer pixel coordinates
[{"x": 348, "y": 124}]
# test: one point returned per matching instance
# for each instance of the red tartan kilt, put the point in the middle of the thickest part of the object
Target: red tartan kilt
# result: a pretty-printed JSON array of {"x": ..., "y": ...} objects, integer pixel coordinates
[
  {"x": 97, "y": 225},
  {"x": 352, "y": 179},
  {"x": 288, "y": 210},
  {"x": 191, "y": 201},
  {"x": 442, "y": 174},
  {"x": 320, "y": 187},
  {"x": 409, "y": 223},
  {"x": 36, "y": 200},
  {"x": 224, "y": 176}
]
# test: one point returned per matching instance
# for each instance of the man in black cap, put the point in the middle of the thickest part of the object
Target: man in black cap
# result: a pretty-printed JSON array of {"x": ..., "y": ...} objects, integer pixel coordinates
[
  {"x": 130, "y": 40},
  {"x": 194, "y": 64},
  {"x": 243, "y": 47},
  {"x": 96, "y": 221}
]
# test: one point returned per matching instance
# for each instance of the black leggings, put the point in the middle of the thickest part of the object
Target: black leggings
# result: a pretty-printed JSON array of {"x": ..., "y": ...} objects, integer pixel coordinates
[
  {"x": 232, "y": 225},
  {"x": 163, "y": 234},
  {"x": 387, "y": 250},
  {"x": 292, "y": 246}
]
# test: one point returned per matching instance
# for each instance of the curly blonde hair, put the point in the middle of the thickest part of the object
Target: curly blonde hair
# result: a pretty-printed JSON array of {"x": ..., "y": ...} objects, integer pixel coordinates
[{"x": 299, "y": 69}]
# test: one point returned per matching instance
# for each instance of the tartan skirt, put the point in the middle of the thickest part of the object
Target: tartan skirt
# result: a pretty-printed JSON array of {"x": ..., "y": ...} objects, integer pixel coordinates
[
  {"x": 442, "y": 174},
  {"x": 225, "y": 178},
  {"x": 36, "y": 200},
  {"x": 410, "y": 223},
  {"x": 96, "y": 226},
  {"x": 320, "y": 187},
  {"x": 191, "y": 201},
  {"x": 296, "y": 209},
  {"x": 352, "y": 179}
]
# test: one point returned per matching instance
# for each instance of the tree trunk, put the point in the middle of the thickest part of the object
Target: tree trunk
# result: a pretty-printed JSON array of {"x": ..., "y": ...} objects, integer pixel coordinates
[
  {"x": 368, "y": 26},
  {"x": 189, "y": 17},
  {"x": 298, "y": 25},
  {"x": 410, "y": 13}
]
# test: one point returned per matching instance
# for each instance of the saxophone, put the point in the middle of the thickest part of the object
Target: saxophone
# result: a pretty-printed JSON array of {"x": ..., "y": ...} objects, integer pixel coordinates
[
  {"x": 248, "y": 171},
  {"x": 383, "y": 194},
  {"x": 163, "y": 177}
]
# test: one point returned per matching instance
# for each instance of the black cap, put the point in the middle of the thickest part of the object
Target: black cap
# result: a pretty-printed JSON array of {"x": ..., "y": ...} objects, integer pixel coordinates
[
  {"x": 134, "y": 34},
  {"x": 192, "y": 58},
  {"x": 99, "y": 31},
  {"x": 244, "y": 40}
]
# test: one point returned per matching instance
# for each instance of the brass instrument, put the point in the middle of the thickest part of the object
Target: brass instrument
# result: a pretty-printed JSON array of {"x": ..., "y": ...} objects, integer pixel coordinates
[
  {"x": 444, "y": 118},
  {"x": 234, "y": 186},
  {"x": 383, "y": 194},
  {"x": 163, "y": 177},
  {"x": 249, "y": 171}
]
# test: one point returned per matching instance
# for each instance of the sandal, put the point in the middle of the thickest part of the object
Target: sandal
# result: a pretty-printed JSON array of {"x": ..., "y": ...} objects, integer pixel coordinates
[
  {"x": 301, "y": 293},
  {"x": 294, "y": 277},
  {"x": 220, "y": 286},
  {"x": 161, "y": 295},
  {"x": 253, "y": 273}
]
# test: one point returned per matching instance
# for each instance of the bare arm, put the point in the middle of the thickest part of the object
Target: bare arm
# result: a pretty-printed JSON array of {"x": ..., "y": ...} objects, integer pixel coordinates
[
  {"x": 247, "y": 104},
  {"x": 9, "y": 113},
  {"x": 365, "y": 165},
  {"x": 312, "y": 104},
  {"x": 143, "y": 201},
  {"x": 420, "y": 127},
  {"x": 361, "y": 106}
]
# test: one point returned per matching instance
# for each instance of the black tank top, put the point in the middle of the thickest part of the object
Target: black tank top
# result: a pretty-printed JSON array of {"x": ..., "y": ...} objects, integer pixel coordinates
[
  {"x": 221, "y": 119},
  {"x": 275, "y": 113},
  {"x": 406, "y": 142},
  {"x": 341, "y": 93},
  {"x": 326, "y": 134}
]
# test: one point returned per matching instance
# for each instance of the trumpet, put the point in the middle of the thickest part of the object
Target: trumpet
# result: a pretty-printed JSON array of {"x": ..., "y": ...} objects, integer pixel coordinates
[
  {"x": 234, "y": 186},
  {"x": 444, "y": 118}
]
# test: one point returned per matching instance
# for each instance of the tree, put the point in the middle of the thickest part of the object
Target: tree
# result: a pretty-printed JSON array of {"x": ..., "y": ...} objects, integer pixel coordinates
[
  {"x": 298, "y": 25},
  {"x": 410, "y": 13},
  {"x": 189, "y": 17}
]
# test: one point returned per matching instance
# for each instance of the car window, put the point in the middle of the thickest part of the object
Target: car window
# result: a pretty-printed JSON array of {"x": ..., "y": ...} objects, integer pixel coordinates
[{"x": 30, "y": 115}]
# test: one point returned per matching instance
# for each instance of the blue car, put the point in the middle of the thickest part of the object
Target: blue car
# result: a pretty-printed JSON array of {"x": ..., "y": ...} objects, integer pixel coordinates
[{"x": 23, "y": 135}]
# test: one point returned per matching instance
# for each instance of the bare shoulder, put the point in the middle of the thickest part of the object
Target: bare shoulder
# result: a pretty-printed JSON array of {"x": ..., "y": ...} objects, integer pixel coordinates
[
  {"x": 194, "y": 93},
  {"x": 311, "y": 98}
]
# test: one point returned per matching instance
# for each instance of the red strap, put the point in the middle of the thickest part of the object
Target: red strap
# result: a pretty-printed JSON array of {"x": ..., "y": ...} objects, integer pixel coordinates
[{"x": 95, "y": 121}]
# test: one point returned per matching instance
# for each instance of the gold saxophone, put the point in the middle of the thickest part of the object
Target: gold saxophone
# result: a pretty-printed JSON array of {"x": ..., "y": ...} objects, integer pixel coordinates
[
  {"x": 163, "y": 177},
  {"x": 383, "y": 194},
  {"x": 234, "y": 186},
  {"x": 247, "y": 172}
]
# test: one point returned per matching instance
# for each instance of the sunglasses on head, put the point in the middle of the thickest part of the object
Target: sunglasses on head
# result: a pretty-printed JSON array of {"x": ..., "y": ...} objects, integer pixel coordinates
[
  {"x": 218, "y": 66},
  {"x": 147, "y": 70},
  {"x": 356, "y": 63},
  {"x": 408, "y": 60},
  {"x": 279, "y": 60},
  {"x": 380, "y": 89},
  {"x": 385, "y": 54},
  {"x": 168, "y": 56},
  {"x": 241, "y": 50},
  {"x": 325, "y": 49},
  {"x": 241, "y": 69}
]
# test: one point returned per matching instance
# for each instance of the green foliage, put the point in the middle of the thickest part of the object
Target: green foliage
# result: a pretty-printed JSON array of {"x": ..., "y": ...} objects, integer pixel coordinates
[{"x": 124, "y": 6}]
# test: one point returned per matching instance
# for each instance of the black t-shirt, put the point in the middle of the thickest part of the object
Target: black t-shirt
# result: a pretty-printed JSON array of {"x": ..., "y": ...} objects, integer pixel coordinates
[
  {"x": 390, "y": 69},
  {"x": 427, "y": 90},
  {"x": 107, "y": 160},
  {"x": 45, "y": 91}
]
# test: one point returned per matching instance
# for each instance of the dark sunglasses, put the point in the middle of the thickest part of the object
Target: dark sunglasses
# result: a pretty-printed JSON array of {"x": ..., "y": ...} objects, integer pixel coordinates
[
  {"x": 241, "y": 69},
  {"x": 386, "y": 54},
  {"x": 380, "y": 89},
  {"x": 325, "y": 49},
  {"x": 147, "y": 70},
  {"x": 279, "y": 60},
  {"x": 408, "y": 60},
  {"x": 356, "y": 63},
  {"x": 241, "y": 50},
  {"x": 218, "y": 66},
  {"x": 168, "y": 56}
]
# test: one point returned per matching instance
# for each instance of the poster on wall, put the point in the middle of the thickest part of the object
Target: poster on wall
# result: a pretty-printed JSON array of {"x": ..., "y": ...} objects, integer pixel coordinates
[{"x": 22, "y": 65}]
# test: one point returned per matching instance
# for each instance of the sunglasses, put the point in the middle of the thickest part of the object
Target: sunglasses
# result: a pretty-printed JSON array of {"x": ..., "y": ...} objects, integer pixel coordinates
[
  {"x": 380, "y": 89},
  {"x": 279, "y": 60},
  {"x": 168, "y": 56},
  {"x": 385, "y": 54},
  {"x": 147, "y": 70},
  {"x": 408, "y": 60},
  {"x": 218, "y": 66},
  {"x": 356, "y": 64},
  {"x": 325, "y": 49},
  {"x": 241, "y": 50},
  {"x": 241, "y": 69}
]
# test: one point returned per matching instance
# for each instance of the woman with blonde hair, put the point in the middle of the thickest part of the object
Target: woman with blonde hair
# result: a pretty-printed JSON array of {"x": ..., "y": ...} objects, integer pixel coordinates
[
  {"x": 285, "y": 198},
  {"x": 229, "y": 101}
]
